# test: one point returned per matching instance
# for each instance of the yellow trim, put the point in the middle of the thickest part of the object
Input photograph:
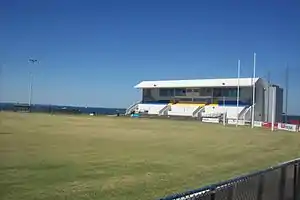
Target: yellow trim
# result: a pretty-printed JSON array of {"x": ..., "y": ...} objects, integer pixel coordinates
[{"x": 189, "y": 104}]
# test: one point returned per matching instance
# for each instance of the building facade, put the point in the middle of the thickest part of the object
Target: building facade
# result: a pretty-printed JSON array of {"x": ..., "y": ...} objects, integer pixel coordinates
[{"x": 233, "y": 97}]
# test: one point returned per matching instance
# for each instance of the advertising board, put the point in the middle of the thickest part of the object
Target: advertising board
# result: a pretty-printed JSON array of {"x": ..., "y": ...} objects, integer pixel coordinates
[
  {"x": 233, "y": 122},
  {"x": 257, "y": 124},
  {"x": 287, "y": 127},
  {"x": 211, "y": 120}
]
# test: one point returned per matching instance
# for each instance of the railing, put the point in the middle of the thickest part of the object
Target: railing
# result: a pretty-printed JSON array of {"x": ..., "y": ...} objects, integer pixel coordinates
[
  {"x": 198, "y": 110},
  {"x": 132, "y": 107},
  {"x": 281, "y": 182},
  {"x": 244, "y": 112},
  {"x": 164, "y": 110}
]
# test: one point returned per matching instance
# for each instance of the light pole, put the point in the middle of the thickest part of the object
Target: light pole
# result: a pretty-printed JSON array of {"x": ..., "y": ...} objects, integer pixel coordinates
[
  {"x": 286, "y": 93},
  {"x": 238, "y": 93},
  {"x": 253, "y": 91},
  {"x": 31, "y": 82}
]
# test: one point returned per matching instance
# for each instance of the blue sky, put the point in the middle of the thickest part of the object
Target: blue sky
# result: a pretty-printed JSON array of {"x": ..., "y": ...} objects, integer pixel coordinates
[{"x": 93, "y": 52}]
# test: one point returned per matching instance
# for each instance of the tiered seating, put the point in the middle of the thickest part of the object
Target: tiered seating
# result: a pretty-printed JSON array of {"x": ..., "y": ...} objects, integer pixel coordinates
[
  {"x": 233, "y": 110},
  {"x": 213, "y": 110},
  {"x": 183, "y": 109},
  {"x": 218, "y": 109},
  {"x": 151, "y": 108}
]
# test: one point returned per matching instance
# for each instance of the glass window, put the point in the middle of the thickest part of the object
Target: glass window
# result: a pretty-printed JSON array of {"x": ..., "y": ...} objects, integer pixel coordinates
[
  {"x": 205, "y": 91},
  {"x": 147, "y": 91},
  {"x": 232, "y": 92},
  {"x": 217, "y": 92},
  {"x": 165, "y": 92},
  {"x": 185, "y": 100},
  {"x": 225, "y": 92},
  {"x": 180, "y": 92}
]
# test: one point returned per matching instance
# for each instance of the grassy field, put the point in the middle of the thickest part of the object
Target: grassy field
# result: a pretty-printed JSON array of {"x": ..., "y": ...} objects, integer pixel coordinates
[{"x": 81, "y": 157}]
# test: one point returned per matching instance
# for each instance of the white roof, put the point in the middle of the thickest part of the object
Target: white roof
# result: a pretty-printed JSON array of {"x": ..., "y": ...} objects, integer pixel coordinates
[{"x": 228, "y": 82}]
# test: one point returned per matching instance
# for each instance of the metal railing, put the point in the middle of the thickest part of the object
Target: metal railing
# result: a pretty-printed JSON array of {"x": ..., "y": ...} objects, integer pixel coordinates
[
  {"x": 281, "y": 182},
  {"x": 164, "y": 110},
  {"x": 132, "y": 107},
  {"x": 198, "y": 110},
  {"x": 247, "y": 114}
]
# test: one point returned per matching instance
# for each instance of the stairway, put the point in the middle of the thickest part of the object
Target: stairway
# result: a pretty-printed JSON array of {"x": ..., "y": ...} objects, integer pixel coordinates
[
  {"x": 198, "y": 110},
  {"x": 245, "y": 112},
  {"x": 132, "y": 107},
  {"x": 164, "y": 110}
]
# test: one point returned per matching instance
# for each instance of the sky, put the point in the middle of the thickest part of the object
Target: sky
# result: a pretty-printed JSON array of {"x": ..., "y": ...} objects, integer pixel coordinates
[{"x": 92, "y": 53}]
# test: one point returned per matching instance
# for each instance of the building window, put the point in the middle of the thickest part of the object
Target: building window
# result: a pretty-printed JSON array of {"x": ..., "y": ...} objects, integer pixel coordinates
[
  {"x": 163, "y": 92},
  {"x": 166, "y": 92},
  {"x": 225, "y": 92},
  {"x": 232, "y": 92},
  {"x": 180, "y": 92},
  {"x": 196, "y": 90},
  {"x": 205, "y": 92},
  {"x": 217, "y": 92}
]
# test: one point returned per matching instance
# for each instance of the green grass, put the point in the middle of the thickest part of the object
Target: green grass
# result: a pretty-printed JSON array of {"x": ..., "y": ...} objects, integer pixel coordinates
[{"x": 81, "y": 157}]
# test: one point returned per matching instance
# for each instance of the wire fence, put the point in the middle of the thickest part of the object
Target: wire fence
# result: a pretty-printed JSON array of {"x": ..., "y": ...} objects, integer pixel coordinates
[{"x": 281, "y": 182}]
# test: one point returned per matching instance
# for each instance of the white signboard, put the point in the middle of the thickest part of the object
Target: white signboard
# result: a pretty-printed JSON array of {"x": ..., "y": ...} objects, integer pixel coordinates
[
  {"x": 241, "y": 122},
  {"x": 211, "y": 120},
  {"x": 233, "y": 121},
  {"x": 287, "y": 127},
  {"x": 257, "y": 124}
]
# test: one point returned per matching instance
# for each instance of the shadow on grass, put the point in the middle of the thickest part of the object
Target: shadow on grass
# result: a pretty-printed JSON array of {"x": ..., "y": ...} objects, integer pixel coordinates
[{"x": 5, "y": 133}]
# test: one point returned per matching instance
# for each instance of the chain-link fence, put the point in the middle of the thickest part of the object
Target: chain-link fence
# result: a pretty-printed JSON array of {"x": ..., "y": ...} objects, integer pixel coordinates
[{"x": 281, "y": 182}]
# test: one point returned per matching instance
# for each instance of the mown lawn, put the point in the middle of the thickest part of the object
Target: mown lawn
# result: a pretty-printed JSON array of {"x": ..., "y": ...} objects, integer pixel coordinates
[{"x": 111, "y": 158}]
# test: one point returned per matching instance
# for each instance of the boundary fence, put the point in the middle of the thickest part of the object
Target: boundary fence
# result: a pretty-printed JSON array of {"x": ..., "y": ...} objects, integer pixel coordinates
[{"x": 280, "y": 182}]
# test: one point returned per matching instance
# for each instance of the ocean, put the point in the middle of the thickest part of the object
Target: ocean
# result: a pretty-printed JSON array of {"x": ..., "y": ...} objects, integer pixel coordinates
[{"x": 64, "y": 109}]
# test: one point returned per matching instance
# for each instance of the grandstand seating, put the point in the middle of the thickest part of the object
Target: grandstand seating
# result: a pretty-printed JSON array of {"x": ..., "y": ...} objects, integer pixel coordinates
[
  {"x": 191, "y": 109},
  {"x": 231, "y": 111},
  {"x": 151, "y": 108},
  {"x": 183, "y": 109}
]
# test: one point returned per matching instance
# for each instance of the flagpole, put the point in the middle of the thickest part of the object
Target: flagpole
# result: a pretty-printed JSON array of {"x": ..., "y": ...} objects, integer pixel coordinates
[
  {"x": 273, "y": 107},
  {"x": 238, "y": 93},
  {"x": 253, "y": 92},
  {"x": 286, "y": 92},
  {"x": 268, "y": 98}
]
